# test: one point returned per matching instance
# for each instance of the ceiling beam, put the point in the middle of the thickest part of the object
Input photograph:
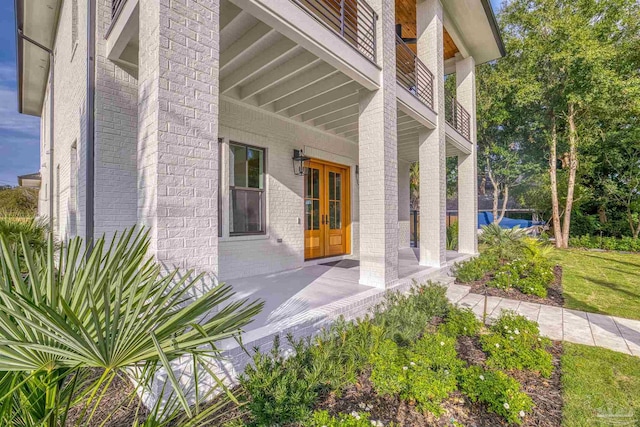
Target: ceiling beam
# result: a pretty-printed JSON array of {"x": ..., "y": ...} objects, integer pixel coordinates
[
  {"x": 322, "y": 100},
  {"x": 337, "y": 115},
  {"x": 279, "y": 74},
  {"x": 239, "y": 48},
  {"x": 340, "y": 104},
  {"x": 325, "y": 85},
  {"x": 228, "y": 12},
  {"x": 257, "y": 64},
  {"x": 299, "y": 81},
  {"x": 346, "y": 128},
  {"x": 353, "y": 118}
]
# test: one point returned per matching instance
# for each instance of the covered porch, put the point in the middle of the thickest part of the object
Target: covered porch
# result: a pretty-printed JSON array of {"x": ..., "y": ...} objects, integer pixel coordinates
[{"x": 300, "y": 300}]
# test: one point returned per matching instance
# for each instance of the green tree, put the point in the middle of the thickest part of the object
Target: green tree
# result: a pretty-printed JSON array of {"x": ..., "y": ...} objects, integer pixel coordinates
[{"x": 573, "y": 64}]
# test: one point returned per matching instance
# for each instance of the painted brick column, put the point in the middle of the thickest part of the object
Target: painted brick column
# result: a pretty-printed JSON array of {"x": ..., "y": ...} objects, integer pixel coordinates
[
  {"x": 378, "y": 159},
  {"x": 467, "y": 164},
  {"x": 404, "y": 201},
  {"x": 432, "y": 144},
  {"x": 178, "y": 131}
]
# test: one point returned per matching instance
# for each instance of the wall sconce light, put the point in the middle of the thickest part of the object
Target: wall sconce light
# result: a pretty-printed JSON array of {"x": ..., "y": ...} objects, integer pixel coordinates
[
  {"x": 357, "y": 174},
  {"x": 299, "y": 163}
]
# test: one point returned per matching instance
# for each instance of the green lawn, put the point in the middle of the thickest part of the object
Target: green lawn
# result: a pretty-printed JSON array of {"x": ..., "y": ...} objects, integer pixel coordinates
[
  {"x": 600, "y": 387},
  {"x": 601, "y": 282}
]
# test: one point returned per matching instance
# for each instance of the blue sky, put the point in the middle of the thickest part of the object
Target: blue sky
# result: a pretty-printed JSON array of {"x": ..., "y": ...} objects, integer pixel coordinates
[{"x": 20, "y": 134}]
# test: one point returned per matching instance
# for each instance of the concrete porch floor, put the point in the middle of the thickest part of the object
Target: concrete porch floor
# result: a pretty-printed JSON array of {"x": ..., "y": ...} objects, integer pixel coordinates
[{"x": 311, "y": 295}]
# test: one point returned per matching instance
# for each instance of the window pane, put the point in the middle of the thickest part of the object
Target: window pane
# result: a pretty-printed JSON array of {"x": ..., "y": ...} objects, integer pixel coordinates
[
  {"x": 237, "y": 166},
  {"x": 255, "y": 171},
  {"x": 307, "y": 184},
  {"x": 246, "y": 211},
  {"x": 316, "y": 183},
  {"x": 338, "y": 224},
  {"x": 316, "y": 214},
  {"x": 338, "y": 186},
  {"x": 308, "y": 212},
  {"x": 332, "y": 186}
]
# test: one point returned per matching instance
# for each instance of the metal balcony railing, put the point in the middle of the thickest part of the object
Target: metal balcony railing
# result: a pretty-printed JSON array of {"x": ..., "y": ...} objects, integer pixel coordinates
[
  {"x": 457, "y": 116},
  {"x": 354, "y": 20},
  {"x": 413, "y": 74},
  {"x": 116, "y": 5}
]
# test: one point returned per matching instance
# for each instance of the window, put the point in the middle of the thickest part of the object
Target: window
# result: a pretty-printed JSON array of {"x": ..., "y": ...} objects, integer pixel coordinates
[{"x": 246, "y": 189}]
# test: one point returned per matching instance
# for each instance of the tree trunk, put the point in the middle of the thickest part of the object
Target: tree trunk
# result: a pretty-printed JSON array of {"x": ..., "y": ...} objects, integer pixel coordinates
[
  {"x": 505, "y": 199},
  {"x": 573, "y": 167},
  {"x": 496, "y": 193},
  {"x": 553, "y": 177},
  {"x": 635, "y": 230}
]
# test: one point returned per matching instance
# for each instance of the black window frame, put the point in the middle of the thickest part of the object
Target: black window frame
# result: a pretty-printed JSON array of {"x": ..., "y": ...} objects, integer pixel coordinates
[{"x": 263, "y": 191}]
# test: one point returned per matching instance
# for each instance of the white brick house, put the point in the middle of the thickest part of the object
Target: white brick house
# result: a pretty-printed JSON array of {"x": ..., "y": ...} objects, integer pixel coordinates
[{"x": 183, "y": 116}]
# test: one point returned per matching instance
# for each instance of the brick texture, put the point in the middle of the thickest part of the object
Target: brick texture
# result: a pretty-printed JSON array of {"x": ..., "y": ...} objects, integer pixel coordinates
[
  {"x": 377, "y": 126},
  {"x": 178, "y": 131},
  {"x": 432, "y": 143}
]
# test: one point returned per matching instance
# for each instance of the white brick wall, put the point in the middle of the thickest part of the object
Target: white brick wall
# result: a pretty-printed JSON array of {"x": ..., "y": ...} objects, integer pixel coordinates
[
  {"x": 467, "y": 165},
  {"x": 116, "y": 124},
  {"x": 69, "y": 122},
  {"x": 404, "y": 200},
  {"x": 378, "y": 156},
  {"x": 243, "y": 256},
  {"x": 432, "y": 143},
  {"x": 178, "y": 130}
]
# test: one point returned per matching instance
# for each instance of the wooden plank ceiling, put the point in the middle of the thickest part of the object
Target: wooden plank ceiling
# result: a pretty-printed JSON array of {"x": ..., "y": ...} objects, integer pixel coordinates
[{"x": 406, "y": 15}]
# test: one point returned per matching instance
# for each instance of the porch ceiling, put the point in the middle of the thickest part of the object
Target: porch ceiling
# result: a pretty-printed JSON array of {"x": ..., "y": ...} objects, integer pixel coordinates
[{"x": 262, "y": 68}]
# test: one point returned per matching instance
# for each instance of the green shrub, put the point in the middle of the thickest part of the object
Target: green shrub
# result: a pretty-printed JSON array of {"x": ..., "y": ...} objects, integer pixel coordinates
[
  {"x": 452, "y": 236},
  {"x": 515, "y": 343},
  {"x": 404, "y": 318},
  {"x": 626, "y": 243},
  {"x": 355, "y": 419},
  {"x": 35, "y": 231},
  {"x": 498, "y": 391},
  {"x": 425, "y": 372},
  {"x": 528, "y": 276},
  {"x": 460, "y": 322},
  {"x": 281, "y": 390},
  {"x": 340, "y": 353},
  {"x": 475, "y": 268}
]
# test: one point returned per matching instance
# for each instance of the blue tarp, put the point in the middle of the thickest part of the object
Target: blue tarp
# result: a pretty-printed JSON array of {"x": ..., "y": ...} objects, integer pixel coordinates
[{"x": 486, "y": 218}]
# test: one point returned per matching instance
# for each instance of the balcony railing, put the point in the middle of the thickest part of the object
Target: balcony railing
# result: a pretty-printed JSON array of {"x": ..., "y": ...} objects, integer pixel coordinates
[
  {"x": 116, "y": 5},
  {"x": 412, "y": 74},
  {"x": 354, "y": 20},
  {"x": 457, "y": 116}
]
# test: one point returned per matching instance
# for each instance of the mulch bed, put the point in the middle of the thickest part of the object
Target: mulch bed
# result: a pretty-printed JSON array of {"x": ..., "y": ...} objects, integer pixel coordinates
[
  {"x": 554, "y": 293},
  {"x": 545, "y": 392}
]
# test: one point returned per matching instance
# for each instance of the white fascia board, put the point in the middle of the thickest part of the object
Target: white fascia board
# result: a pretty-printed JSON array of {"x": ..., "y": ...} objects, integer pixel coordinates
[
  {"x": 457, "y": 140},
  {"x": 38, "y": 20},
  {"x": 473, "y": 28},
  {"x": 296, "y": 24},
  {"x": 123, "y": 30},
  {"x": 414, "y": 108}
]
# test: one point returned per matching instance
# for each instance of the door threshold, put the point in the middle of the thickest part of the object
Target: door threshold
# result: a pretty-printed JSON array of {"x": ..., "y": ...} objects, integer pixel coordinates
[{"x": 322, "y": 260}]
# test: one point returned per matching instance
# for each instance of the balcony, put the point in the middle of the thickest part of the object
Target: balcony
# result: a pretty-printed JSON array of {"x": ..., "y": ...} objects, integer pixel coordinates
[
  {"x": 116, "y": 6},
  {"x": 353, "y": 20},
  {"x": 457, "y": 116},
  {"x": 412, "y": 74}
]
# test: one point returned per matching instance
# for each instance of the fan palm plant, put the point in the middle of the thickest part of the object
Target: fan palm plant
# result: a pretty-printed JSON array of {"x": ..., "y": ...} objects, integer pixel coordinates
[
  {"x": 505, "y": 243},
  {"x": 111, "y": 310}
]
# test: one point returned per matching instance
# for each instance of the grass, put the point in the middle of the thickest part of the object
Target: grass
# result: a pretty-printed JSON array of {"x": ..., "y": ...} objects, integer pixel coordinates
[
  {"x": 601, "y": 282},
  {"x": 600, "y": 387}
]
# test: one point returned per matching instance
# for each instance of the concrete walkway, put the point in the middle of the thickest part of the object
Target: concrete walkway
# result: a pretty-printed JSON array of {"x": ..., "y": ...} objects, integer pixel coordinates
[{"x": 614, "y": 333}]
